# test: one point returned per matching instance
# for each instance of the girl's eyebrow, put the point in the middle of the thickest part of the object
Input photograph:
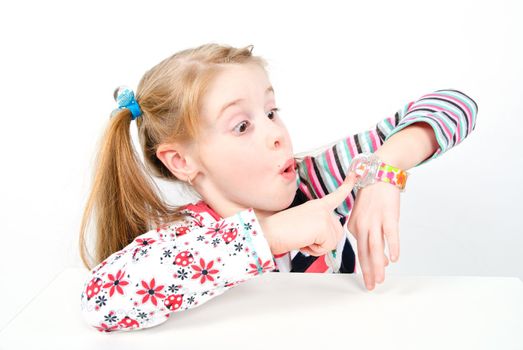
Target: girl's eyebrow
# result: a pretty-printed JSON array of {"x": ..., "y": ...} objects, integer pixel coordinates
[{"x": 232, "y": 103}]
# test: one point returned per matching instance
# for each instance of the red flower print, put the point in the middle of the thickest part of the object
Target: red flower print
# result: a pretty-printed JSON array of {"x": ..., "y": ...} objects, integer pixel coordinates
[
  {"x": 144, "y": 241},
  {"x": 204, "y": 271},
  {"x": 151, "y": 292},
  {"x": 105, "y": 328},
  {"x": 116, "y": 283},
  {"x": 265, "y": 267},
  {"x": 218, "y": 228}
]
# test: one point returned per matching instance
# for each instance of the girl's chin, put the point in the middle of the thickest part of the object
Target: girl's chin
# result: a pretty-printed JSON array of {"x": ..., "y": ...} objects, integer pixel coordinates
[{"x": 283, "y": 202}]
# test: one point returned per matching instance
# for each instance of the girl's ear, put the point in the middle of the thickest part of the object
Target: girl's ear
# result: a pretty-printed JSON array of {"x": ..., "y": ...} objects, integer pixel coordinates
[{"x": 178, "y": 160}]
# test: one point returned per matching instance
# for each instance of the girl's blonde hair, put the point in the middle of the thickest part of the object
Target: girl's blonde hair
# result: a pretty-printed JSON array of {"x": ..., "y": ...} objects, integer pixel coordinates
[{"x": 124, "y": 200}]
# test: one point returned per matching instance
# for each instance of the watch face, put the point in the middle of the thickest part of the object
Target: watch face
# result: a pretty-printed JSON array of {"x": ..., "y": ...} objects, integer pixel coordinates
[
  {"x": 359, "y": 167},
  {"x": 364, "y": 165},
  {"x": 369, "y": 169}
]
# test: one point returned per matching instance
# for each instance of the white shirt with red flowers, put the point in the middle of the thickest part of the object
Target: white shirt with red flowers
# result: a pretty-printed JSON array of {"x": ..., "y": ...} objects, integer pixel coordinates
[{"x": 174, "y": 268}]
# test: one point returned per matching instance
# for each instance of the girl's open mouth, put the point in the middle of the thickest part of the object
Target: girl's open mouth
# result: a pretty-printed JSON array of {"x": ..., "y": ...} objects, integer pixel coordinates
[{"x": 289, "y": 172}]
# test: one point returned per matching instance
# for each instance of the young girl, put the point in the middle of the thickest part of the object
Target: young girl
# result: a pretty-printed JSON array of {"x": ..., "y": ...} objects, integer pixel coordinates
[{"x": 207, "y": 116}]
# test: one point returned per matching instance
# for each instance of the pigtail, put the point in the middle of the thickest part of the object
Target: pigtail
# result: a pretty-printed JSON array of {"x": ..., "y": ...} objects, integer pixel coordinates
[{"x": 123, "y": 201}]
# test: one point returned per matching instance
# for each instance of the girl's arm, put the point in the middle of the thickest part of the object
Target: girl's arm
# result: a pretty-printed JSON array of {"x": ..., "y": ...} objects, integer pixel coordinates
[
  {"x": 450, "y": 114},
  {"x": 174, "y": 268},
  {"x": 413, "y": 145}
]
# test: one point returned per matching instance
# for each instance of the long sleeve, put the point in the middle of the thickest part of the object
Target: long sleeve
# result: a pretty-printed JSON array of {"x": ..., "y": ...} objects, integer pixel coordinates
[
  {"x": 174, "y": 268},
  {"x": 450, "y": 113}
]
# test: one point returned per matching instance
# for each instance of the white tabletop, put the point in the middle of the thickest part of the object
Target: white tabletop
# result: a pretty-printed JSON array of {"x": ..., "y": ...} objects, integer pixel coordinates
[{"x": 279, "y": 310}]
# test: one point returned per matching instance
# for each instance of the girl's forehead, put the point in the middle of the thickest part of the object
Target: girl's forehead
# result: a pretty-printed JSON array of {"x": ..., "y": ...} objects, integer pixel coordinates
[
  {"x": 233, "y": 86},
  {"x": 239, "y": 79}
]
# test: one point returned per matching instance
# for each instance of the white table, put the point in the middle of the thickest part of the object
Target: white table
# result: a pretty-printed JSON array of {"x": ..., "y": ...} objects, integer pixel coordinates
[{"x": 280, "y": 310}]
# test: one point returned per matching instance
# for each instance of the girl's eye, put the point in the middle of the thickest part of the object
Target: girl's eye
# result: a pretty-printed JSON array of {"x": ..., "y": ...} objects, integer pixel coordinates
[
  {"x": 243, "y": 125},
  {"x": 242, "y": 129},
  {"x": 274, "y": 110}
]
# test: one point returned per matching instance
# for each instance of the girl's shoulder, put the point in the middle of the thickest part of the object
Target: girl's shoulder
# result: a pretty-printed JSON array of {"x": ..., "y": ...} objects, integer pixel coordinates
[{"x": 198, "y": 214}]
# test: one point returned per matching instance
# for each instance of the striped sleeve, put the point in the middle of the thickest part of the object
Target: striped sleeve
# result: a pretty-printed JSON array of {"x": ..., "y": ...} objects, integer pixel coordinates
[{"x": 450, "y": 113}]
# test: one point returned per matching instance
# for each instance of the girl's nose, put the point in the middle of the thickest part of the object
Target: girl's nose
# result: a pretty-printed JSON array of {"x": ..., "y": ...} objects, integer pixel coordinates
[
  {"x": 276, "y": 137},
  {"x": 276, "y": 133}
]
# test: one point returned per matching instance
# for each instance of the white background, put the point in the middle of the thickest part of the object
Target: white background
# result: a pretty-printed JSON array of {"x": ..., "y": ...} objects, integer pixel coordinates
[{"x": 337, "y": 67}]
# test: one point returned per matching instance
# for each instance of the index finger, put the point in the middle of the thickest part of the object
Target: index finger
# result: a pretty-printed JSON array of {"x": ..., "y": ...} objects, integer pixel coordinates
[{"x": 335, "y": 198}]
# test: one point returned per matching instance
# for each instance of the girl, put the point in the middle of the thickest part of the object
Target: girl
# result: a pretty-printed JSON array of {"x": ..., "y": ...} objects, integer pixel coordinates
[{"x": 207, "y": 116}]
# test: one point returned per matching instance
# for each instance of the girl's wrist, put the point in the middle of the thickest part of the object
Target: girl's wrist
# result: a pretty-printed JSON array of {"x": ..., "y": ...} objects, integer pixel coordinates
[{"x": 268, "y": 233}]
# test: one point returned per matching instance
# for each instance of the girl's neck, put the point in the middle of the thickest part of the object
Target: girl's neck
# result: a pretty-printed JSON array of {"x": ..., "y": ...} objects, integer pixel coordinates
[{"x": 227, "y": 210}]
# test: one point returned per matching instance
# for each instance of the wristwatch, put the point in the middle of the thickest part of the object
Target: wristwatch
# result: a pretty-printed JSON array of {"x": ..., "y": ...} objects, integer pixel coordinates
[{"x": 369, "y": 169}]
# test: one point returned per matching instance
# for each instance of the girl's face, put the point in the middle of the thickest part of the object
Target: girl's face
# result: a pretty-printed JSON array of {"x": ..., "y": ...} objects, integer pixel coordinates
[{"x": 244, "y": 145}]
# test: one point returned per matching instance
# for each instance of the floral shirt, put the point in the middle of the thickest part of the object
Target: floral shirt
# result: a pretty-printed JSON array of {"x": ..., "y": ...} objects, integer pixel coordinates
[{"x": 185, "y": 264}]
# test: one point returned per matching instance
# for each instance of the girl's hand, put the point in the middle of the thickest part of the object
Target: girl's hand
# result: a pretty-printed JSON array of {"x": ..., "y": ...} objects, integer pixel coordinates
[
  {"x": 311, "y": 227},
  {"x": 375, "y": 213}
]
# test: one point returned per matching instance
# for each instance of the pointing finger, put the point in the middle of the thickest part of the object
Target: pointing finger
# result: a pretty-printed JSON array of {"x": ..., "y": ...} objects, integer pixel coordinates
[{"x": 334, "y": 199}]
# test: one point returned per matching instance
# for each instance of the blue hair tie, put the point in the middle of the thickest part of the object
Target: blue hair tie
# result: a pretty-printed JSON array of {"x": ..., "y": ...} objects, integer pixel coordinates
[{"x": 124, "y": 96}]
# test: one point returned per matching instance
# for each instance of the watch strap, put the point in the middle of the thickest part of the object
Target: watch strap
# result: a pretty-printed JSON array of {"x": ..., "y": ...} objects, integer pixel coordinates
[
  {"x": 390, "y": 174},
  {"x": 369, "y": 169}
]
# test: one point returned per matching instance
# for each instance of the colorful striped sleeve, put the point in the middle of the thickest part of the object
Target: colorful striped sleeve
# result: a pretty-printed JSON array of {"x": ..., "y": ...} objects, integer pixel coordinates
[{"x": 450, "y": 113}]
